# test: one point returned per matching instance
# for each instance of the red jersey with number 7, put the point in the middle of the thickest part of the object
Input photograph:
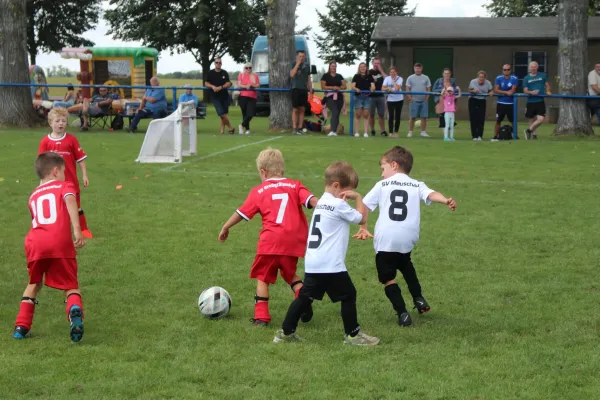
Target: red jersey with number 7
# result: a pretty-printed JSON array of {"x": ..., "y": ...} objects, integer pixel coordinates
[
  {"x": 50, "y": 234},
  {"x": 68, "y": 147},
  {"x": 279, "y": 202}
]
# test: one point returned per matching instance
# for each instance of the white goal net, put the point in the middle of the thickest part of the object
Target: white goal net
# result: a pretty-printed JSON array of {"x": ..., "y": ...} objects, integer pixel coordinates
[{"x": 168, "y": 139}]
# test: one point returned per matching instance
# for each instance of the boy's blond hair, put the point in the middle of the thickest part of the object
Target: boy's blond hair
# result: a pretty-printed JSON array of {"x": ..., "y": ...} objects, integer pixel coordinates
[
  {"x": 271, "y": 160},
  {"x": 343, "y": 173},
  {"x": 57, "y": 112}
]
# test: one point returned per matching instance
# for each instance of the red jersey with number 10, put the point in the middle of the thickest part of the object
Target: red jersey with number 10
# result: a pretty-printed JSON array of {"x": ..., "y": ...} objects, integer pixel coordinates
[
  {"x": 284, "y": 227},
  {"x": 50, "y": 234},
  {"x": 68, "y": 147}
]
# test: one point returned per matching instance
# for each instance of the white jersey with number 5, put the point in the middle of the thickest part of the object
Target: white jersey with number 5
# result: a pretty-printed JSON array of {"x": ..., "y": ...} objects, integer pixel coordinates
[
  {"x": 329, "y": 232},
  {"x": 398, "y": 197}
]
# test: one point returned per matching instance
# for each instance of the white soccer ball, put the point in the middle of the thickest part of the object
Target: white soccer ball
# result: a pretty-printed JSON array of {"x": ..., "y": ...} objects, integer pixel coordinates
[
  {"x": 418, "y": 123},
  {"x": 214, "y": 302}
]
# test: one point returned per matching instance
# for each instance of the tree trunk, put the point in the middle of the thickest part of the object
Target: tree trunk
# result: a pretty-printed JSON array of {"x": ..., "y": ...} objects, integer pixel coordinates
[
  {"x": 15, "y": 102},
  {"x": 280, "y": 33},
  {"x": 574, "y": 117},
  {"x": 31, "y": 43},
  {"x": 205, "y": 68}
]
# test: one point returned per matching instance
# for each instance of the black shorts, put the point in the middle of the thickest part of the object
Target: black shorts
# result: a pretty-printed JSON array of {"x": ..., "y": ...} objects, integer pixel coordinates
[
  {"x": 299, "y": 98},
  {"x": 389, "y": 263},
  {"x": 535, "y": 109},
  {"x": 504, "y": 110},
  {"x": 338, "y": 286}
]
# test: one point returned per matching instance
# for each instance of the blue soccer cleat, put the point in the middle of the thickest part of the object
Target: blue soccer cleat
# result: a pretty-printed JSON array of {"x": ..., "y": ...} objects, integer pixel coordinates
[
  {"x": 76, "y": 320},
  {"x": 20, "y": 332}
]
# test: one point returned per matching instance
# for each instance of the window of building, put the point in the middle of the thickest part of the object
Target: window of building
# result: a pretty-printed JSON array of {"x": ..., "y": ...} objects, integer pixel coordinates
[{"x": 521, "y": 60}]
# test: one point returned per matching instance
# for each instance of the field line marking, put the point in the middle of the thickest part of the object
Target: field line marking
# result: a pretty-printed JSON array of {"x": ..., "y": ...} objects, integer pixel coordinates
[{"x": 216, "y": 153}]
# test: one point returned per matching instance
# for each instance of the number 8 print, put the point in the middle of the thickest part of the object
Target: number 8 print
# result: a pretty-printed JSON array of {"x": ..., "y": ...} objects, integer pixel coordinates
[{"x": 37, "y": 207}]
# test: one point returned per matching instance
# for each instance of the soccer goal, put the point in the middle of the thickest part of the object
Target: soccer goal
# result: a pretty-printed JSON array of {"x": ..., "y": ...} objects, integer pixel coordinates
[{"x": 168, "y": 139}]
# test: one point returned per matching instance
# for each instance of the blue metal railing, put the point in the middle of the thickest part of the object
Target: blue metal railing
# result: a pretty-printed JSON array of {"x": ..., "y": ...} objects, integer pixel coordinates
[{"x": 174, "y": 89}]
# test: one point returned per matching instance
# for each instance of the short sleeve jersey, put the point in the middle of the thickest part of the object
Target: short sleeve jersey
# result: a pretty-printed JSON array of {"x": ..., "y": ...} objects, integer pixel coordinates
[
  {"x": 284, "y": 228},
  {"x": 50, "y": 234},
  {"x": 329, "y": 235},
  {"x": 535, "y": 82},
  {"x": 398, "y": 198},
  {"x": 505, "y": 84},
  {"x": 69, "y": 148}
]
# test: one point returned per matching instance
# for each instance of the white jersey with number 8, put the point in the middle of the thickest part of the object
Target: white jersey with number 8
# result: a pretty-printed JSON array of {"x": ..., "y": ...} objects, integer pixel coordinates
[
  {"x": 398, "y": 198},
  {"x": 328, "y": 235}
]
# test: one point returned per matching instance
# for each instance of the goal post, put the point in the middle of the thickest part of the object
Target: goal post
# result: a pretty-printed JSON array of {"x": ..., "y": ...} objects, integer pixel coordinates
[{"x": 171, "y": 138}]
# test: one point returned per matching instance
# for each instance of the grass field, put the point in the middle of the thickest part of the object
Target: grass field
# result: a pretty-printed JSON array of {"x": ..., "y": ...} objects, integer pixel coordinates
[{"x": 512, "y": 276}]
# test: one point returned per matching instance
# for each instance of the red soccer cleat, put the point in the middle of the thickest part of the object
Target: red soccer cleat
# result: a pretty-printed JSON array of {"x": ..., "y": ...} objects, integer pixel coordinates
[{"x": 87, "y": 234}]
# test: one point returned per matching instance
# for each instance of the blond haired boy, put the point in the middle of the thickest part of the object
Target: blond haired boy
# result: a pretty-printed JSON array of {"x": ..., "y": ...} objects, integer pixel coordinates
[{"x": 282, "y": 240}]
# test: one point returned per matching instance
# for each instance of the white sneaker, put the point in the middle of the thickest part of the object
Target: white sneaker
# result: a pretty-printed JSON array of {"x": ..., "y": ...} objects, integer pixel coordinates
[
  {"x": 479, "y": 138},
  {"x": 409, "y": 134},
  {"x": 424, "y": 134},
  {"x": 361, "y": 339},
  {"x": 366, "y": 134},
  {"x": 357, "y": 134},
  {"x": 247, "y": 132},
  {"x": 332, "y": 134},
  {"x": 241, "y": 130},
  {"x": 475, "y": 139}
]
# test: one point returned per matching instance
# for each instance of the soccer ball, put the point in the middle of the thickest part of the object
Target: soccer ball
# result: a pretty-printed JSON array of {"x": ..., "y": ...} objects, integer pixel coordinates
[
  {"x": 418, "y": 123},
  {"x": 214, "y": 302}
]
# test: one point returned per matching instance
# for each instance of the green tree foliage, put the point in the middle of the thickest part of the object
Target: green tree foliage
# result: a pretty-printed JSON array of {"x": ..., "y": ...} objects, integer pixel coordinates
[
  {"x": 348, "y": 25},
  {"x": 52, "y": 25},
  {"x": 531, "y": 8},
  {"x": 60, "y": 71},
  {"x": 207, "y": 29}
]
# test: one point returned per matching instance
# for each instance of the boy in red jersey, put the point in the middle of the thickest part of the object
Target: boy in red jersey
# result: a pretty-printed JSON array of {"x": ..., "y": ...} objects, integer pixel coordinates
[
  {"x": 68, "y": 147},
  {"x": 49, "y": 247},
  {"x": 284, "y": 232}
]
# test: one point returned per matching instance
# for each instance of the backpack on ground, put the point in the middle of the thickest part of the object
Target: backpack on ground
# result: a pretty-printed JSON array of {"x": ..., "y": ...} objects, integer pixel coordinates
[
  {"x": 117, "y": 123},
  {"x": 505, "y": 133}
]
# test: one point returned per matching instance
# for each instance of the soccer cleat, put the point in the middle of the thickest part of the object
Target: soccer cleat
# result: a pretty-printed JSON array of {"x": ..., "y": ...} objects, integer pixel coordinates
[
  {"x": 20, "y": 332},
  {"x": 307, "y": 315},
  {"x": 361, "y": 339},
  {"x": 76, "y": 323},
  {"x": 281, "y": 337},
  {"x": 259, "y": 322},
  {"x": 421, "y": 305},
  {"x": 87, "y": 234},
  {"x": 404, "y": 319}
]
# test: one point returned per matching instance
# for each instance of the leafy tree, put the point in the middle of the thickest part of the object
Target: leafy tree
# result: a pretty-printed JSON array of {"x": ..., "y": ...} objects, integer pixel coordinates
[
  {"x": 60, "y": 71},
  {"x": 531, "y": 8},
  {"x": 207, "y": 29},
  {"x": 52, "y": 25},
  {"x": 348, "y": 25}
]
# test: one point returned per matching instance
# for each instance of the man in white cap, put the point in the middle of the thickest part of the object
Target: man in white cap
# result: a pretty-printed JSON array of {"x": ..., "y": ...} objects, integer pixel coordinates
[{"x": 188, "y": 95}]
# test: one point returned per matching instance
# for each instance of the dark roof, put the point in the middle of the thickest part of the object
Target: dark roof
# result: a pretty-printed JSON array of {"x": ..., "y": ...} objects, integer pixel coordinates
[{"x": 428, "y": 29}]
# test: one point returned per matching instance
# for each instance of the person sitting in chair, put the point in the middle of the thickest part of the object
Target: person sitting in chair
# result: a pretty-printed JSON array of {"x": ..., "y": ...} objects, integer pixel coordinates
[
  {"x": 154, "y": 103},
  {"x": 99, "y": 104}
]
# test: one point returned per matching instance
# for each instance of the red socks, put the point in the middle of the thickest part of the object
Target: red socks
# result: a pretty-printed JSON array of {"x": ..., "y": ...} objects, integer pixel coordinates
[
  {"x": 25, "y": 316},
  {"x": 82, "y": 221},
  {"x": 72, "y": 300},
  {"x": 261, "y": 311}
]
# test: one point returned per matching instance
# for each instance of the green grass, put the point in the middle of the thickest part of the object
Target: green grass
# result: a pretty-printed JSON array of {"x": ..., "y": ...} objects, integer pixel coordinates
[{"x": 512, "y": 277}]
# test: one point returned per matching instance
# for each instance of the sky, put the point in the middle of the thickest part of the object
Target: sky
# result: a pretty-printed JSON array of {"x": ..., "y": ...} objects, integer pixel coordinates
[{"x": 306, "y": 16}]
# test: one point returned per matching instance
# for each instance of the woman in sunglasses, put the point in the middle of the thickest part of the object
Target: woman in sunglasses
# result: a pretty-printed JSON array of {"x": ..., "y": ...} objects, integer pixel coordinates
[{"x": 247, "y": 80}]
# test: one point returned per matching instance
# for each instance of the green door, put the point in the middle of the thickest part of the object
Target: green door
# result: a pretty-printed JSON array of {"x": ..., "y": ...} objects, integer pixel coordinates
[{"x": 434, "y": 61}]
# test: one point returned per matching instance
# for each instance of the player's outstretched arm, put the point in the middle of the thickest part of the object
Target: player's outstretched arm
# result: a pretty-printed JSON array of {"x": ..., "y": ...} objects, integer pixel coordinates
[
  {"x": 74, "y": 215},
  {"x": 233, "y": 220},
  {"x": 84, "y": 175},
  {"x": 440, "y": 198}
]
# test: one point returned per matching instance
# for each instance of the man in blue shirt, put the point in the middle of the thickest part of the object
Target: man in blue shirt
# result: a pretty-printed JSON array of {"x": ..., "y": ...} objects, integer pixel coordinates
[
  {"x": 154, "y": 103},
  {"x": 506, "y": 85},
  {"x": 188, "y": 96},
  {"x": 534, "y": 84}
]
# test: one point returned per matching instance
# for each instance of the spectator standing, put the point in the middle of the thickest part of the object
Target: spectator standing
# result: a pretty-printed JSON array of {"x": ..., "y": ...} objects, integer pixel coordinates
[
  {"x": 418, "y": 82},
  {"x": 448, "y": 98},
  {"x": 439, "y": 85},
  {"x": 247, "y": 99},
  {"x": 534, "y": 84},
  {"x": 334, "y": 100},
  {"x": 377, "y": 99},
  {"x": 154, "y": 104},
  {"x": 594, "y": 91},
  {"x": 482, "y": 88},
  {"x": 506, "y": 84},
  {"x": 218, "y": 81},
  {"x": 364, "y": 85},
  {"x": 395, "y": 101},
  {"x": 301, "y": 86}
]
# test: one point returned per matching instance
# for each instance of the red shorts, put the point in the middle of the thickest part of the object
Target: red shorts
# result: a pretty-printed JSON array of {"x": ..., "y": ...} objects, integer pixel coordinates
[
  {"x": 265, "y": 268},
  {"x": 58, "y": 273}
]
